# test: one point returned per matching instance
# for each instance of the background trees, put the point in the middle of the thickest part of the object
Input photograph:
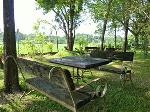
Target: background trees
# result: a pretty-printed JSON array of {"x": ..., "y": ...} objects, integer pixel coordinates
[
  {"x": 132, "y": 15},
  {"x": 100, "y": 10},
  {"x": 67, "y": 15}
]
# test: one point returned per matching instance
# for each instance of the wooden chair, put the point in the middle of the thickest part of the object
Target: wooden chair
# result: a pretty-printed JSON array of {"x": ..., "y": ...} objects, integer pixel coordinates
[{"x": 59, "y": 87}]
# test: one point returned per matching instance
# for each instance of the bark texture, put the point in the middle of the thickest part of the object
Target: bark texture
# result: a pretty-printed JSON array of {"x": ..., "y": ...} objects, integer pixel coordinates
[{"x": 11, "y": 81}]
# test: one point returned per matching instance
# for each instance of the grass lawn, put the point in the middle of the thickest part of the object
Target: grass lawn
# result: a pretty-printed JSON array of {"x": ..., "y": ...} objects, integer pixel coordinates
[
  {"x": 131, "y": 98},
  {"x": 24, "y": 49}
]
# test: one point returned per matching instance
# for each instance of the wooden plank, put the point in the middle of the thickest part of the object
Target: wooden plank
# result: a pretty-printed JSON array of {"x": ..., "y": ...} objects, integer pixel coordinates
[
  {"x": 54, "y": 92},
  {"x": 59, "y": 87},
  {"x": 112, "y": 69}
]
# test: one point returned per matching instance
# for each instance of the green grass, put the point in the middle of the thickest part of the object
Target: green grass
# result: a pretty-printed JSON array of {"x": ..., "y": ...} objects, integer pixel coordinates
[
  {"x": 131, "y": 98},
  {"x": 24, "y": 49}
]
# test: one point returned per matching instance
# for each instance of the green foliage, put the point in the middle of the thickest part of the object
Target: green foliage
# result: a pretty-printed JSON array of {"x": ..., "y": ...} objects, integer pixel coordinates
[
  {"x": 1, "y": 35},
  {"x": 40, "y": 37},
  {"x": 81, "y": 42},
  {"x": 80, "y": 51},
  {"x": 110, "y": 42},
  {"x": 31, "y": 48},
  {"x": 67, "y": 15},
  {"x": 144, "y": 45},
  {"x": 49, "y": 45},
  {"x": 98, "y": 9},
  {"x": 36, "y": 26},
  {"x": 61, "y": 40},
  {"x": 63, "y": 53},
  {"x": 136, "y": 11},
  {"x": 1, "y": 50}
]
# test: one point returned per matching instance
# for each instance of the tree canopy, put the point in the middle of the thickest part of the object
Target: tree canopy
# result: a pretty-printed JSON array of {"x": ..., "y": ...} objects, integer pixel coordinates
[
  {"x": 133, "y": 15},
  {"x": 67, "y": 15}
]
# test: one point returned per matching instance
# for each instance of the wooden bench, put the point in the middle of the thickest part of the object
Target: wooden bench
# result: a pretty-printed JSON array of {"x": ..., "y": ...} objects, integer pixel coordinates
[
  {"x": 57, "y": 84},
  {"x": 110, "y": 49},
  {"x": 123, "y": 70},
  {"x": 89, "y": 49},
  {"x": 97, "y": 53},
  {"x": 33, "y": 67}
]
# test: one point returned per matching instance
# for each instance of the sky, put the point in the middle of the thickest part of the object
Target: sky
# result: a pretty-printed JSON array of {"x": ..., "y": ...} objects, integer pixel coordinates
[{"x": 26, "y": 15}]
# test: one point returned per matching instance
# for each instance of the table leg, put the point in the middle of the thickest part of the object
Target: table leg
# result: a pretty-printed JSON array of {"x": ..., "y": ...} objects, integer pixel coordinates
[
  {"x": 78, "y": 75},
  {"x": 73, "y": 72}
]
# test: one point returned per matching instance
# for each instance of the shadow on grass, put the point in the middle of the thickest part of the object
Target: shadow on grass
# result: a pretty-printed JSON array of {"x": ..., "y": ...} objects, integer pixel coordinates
[
  {"x": 49, "y": 106},
  {"x": 45, "y": 105},
  {"x": 1, "y": 74},
  {"x": 128, "y": 98},
  {"x": 9, "y": 103}
]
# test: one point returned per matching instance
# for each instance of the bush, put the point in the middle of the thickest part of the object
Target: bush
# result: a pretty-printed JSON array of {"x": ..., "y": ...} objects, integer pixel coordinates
[
  {"x": 65, "y": 53},
  {"x": 49, "y": 46}
]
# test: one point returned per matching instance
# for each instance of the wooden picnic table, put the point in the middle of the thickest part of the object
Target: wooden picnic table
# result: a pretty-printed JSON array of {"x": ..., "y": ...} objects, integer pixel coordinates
[{"x": 80, "y": 62}]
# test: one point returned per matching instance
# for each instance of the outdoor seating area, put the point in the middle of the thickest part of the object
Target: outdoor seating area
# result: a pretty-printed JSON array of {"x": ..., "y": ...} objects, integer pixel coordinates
[
  {"x": 77, "y": 96},
  {"x": 57, "y": 84},
  {"x": 74, "y": 56},
  {"x": 55, "y": 80}
]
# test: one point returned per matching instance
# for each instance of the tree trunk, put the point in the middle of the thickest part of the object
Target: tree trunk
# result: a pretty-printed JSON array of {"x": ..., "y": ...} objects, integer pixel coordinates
[
  {"x": 103, "y": 34},
  {"x": 11, "y": 81},
  {"x": 136, "y": 41},
  {"x": 70, "y": 41},
  {"x": 105, "y": 24},
  {"x": 126, "y": 35},
  {"x": 115, "y": 37}
]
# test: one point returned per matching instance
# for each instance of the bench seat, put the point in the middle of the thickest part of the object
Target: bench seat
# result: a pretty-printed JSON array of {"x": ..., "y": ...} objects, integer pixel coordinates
[
  {"x": 58, "y": 94},
  {"x": 112, "y": 69}
]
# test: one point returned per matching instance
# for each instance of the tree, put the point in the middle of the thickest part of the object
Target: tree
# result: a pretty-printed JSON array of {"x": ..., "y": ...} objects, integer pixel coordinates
[
  {"x": 121, "y": 11},
  {"x": 114, "y": 26},
  {"x": 100, "y": 10},
  {"x": 140, "y": 20},
  {"x": 133, "y": 15},
  {"x": 11, "y": 80},
  {"x": 67, "y": 15},
  {"x": 52, "y": 26}
]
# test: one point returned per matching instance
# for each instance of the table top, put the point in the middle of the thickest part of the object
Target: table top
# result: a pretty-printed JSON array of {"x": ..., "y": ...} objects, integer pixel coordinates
[{"x": 80, "y": 61}]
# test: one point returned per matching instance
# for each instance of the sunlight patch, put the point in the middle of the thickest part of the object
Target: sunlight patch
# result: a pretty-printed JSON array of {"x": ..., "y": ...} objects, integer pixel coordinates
[
  {"x": 1, "y": 83},
  {"x": 147, "y": 94}
]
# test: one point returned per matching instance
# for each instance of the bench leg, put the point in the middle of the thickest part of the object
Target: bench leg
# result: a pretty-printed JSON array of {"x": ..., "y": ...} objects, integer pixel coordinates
[
  {"x": 73, "y": 72},
  {"x": 130, "y": 77},
  {"x": 123, "y": 78},
  {"x": 78, "y": 76},
  {"x": 126, "y": 77}
]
